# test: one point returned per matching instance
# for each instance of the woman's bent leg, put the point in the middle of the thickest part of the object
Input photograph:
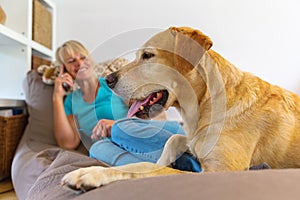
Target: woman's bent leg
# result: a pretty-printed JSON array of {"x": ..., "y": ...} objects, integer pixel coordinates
[
  {"x": 144, "y": 138},
  {"x": 105, "y": 150}
]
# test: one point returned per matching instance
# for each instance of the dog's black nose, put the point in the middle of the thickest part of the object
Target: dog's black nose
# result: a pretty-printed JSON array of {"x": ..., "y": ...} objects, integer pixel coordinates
[{"x": 112, "y": 80}]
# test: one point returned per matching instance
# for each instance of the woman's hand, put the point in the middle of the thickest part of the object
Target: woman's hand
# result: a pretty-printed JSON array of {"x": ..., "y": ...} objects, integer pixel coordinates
[
  {"x": 60, "y": 79},
  {"x": 102, "y": 129}
]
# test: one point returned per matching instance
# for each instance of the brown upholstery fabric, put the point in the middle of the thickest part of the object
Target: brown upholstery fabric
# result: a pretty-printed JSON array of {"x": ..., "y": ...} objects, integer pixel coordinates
[
  {"x": 263, "y": 184},
  {"x": 28, "y": 161},
  {"x": 48, "y": 186},
  {"x": 247, "y": 185},
  {"x": 39, "y": 104}
]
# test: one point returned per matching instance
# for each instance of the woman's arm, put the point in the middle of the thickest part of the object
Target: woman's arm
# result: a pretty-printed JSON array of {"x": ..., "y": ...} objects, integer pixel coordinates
[
  {"x": 65, "y": 131},
  {"x": 102, "y": 129}
]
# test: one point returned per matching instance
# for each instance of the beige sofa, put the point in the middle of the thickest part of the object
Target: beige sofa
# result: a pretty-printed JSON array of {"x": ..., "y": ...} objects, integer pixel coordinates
[{"x": 39, "y": 165}]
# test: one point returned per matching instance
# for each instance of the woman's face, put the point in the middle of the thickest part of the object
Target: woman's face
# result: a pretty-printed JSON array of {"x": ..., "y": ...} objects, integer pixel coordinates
[{"x": 79, "y": 66}]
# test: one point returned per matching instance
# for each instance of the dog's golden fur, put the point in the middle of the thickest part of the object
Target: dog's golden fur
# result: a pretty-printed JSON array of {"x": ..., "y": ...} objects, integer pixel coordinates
[{"x": 258, "y": 122}]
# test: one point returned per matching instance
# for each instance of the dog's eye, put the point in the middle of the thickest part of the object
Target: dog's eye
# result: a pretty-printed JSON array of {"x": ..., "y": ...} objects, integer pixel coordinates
[{"x": 146, "y": 55}]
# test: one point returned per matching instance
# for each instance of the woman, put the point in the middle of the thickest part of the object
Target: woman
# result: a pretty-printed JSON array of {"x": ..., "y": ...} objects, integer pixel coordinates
[{"x": 90, "y": 113}]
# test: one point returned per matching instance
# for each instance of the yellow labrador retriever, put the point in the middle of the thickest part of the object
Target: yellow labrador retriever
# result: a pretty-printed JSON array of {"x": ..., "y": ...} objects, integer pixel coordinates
[{"x": 232, "y": 118}]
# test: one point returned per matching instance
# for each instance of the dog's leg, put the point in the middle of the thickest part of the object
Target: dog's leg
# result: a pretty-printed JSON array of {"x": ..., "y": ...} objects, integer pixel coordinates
[
  {"x": 229, "y": 154},
  {"x": 85, "y": 179},
  {"x": 174, "y": 147}
]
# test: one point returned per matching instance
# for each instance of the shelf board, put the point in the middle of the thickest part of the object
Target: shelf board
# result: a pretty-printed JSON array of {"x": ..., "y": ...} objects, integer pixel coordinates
[
  {"x": 17, "y": 47},
  {"x": 11, "y": 103},
  {"x": 8, "y": 36},
  {"x": 41, "y": 50}
]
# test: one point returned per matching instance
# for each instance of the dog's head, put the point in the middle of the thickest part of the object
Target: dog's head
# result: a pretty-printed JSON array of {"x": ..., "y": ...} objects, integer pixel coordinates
[{"x": 160, "y": 74}]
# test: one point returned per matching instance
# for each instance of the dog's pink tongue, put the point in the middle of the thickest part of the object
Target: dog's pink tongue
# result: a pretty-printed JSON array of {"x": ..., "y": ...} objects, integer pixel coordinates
[{"x": 134, "y": 108}]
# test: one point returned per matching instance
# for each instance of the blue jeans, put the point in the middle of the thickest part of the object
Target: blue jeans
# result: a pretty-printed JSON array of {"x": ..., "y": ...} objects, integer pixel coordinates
[{"x": 135, "y": 140}]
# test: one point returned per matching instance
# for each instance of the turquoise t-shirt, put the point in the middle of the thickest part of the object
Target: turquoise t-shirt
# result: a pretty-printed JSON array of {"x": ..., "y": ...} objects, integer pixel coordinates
[{"x": 107, "y": 105}]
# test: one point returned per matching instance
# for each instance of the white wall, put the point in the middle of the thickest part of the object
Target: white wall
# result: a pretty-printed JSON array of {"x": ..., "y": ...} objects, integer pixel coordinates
[{"x": 259, "y": 36}]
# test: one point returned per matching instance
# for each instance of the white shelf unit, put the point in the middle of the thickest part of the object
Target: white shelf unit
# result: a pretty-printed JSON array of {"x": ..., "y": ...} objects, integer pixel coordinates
[{"x": 17, "y": 45}]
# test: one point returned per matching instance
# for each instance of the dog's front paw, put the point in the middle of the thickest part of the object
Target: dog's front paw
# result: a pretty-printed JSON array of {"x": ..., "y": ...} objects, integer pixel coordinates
[
  {"x": 85, "y": 179},
  {"x": 166, "y": 159},
  {"x": 174, "y": 147}
]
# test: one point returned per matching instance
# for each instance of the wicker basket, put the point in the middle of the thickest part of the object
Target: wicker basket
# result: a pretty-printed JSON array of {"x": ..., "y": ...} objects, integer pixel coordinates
[
  {"x": 42, "y": 24},
  {"x": 11, "y": 130}
]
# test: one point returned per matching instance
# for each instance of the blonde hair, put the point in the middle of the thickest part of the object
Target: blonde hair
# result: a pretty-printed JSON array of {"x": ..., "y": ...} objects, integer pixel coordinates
[{"x": 68, "y": 49}]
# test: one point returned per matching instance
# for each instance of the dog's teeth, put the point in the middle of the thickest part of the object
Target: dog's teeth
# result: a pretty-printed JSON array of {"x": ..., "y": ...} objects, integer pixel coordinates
[
  {"x": 141, "y": 107},
  {"x": 151, "y": 102}
]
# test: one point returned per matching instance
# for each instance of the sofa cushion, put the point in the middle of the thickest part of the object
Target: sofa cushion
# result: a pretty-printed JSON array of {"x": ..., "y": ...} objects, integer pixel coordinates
[
  {"x": 39, "y": 103},
  {"x": 38, "y": 147}
]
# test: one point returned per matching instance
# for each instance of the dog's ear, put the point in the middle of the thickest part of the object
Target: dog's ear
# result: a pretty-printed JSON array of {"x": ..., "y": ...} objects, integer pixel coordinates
[
  {"x": 190, "y": 45},
  {"x": 194, "y": 34}
]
